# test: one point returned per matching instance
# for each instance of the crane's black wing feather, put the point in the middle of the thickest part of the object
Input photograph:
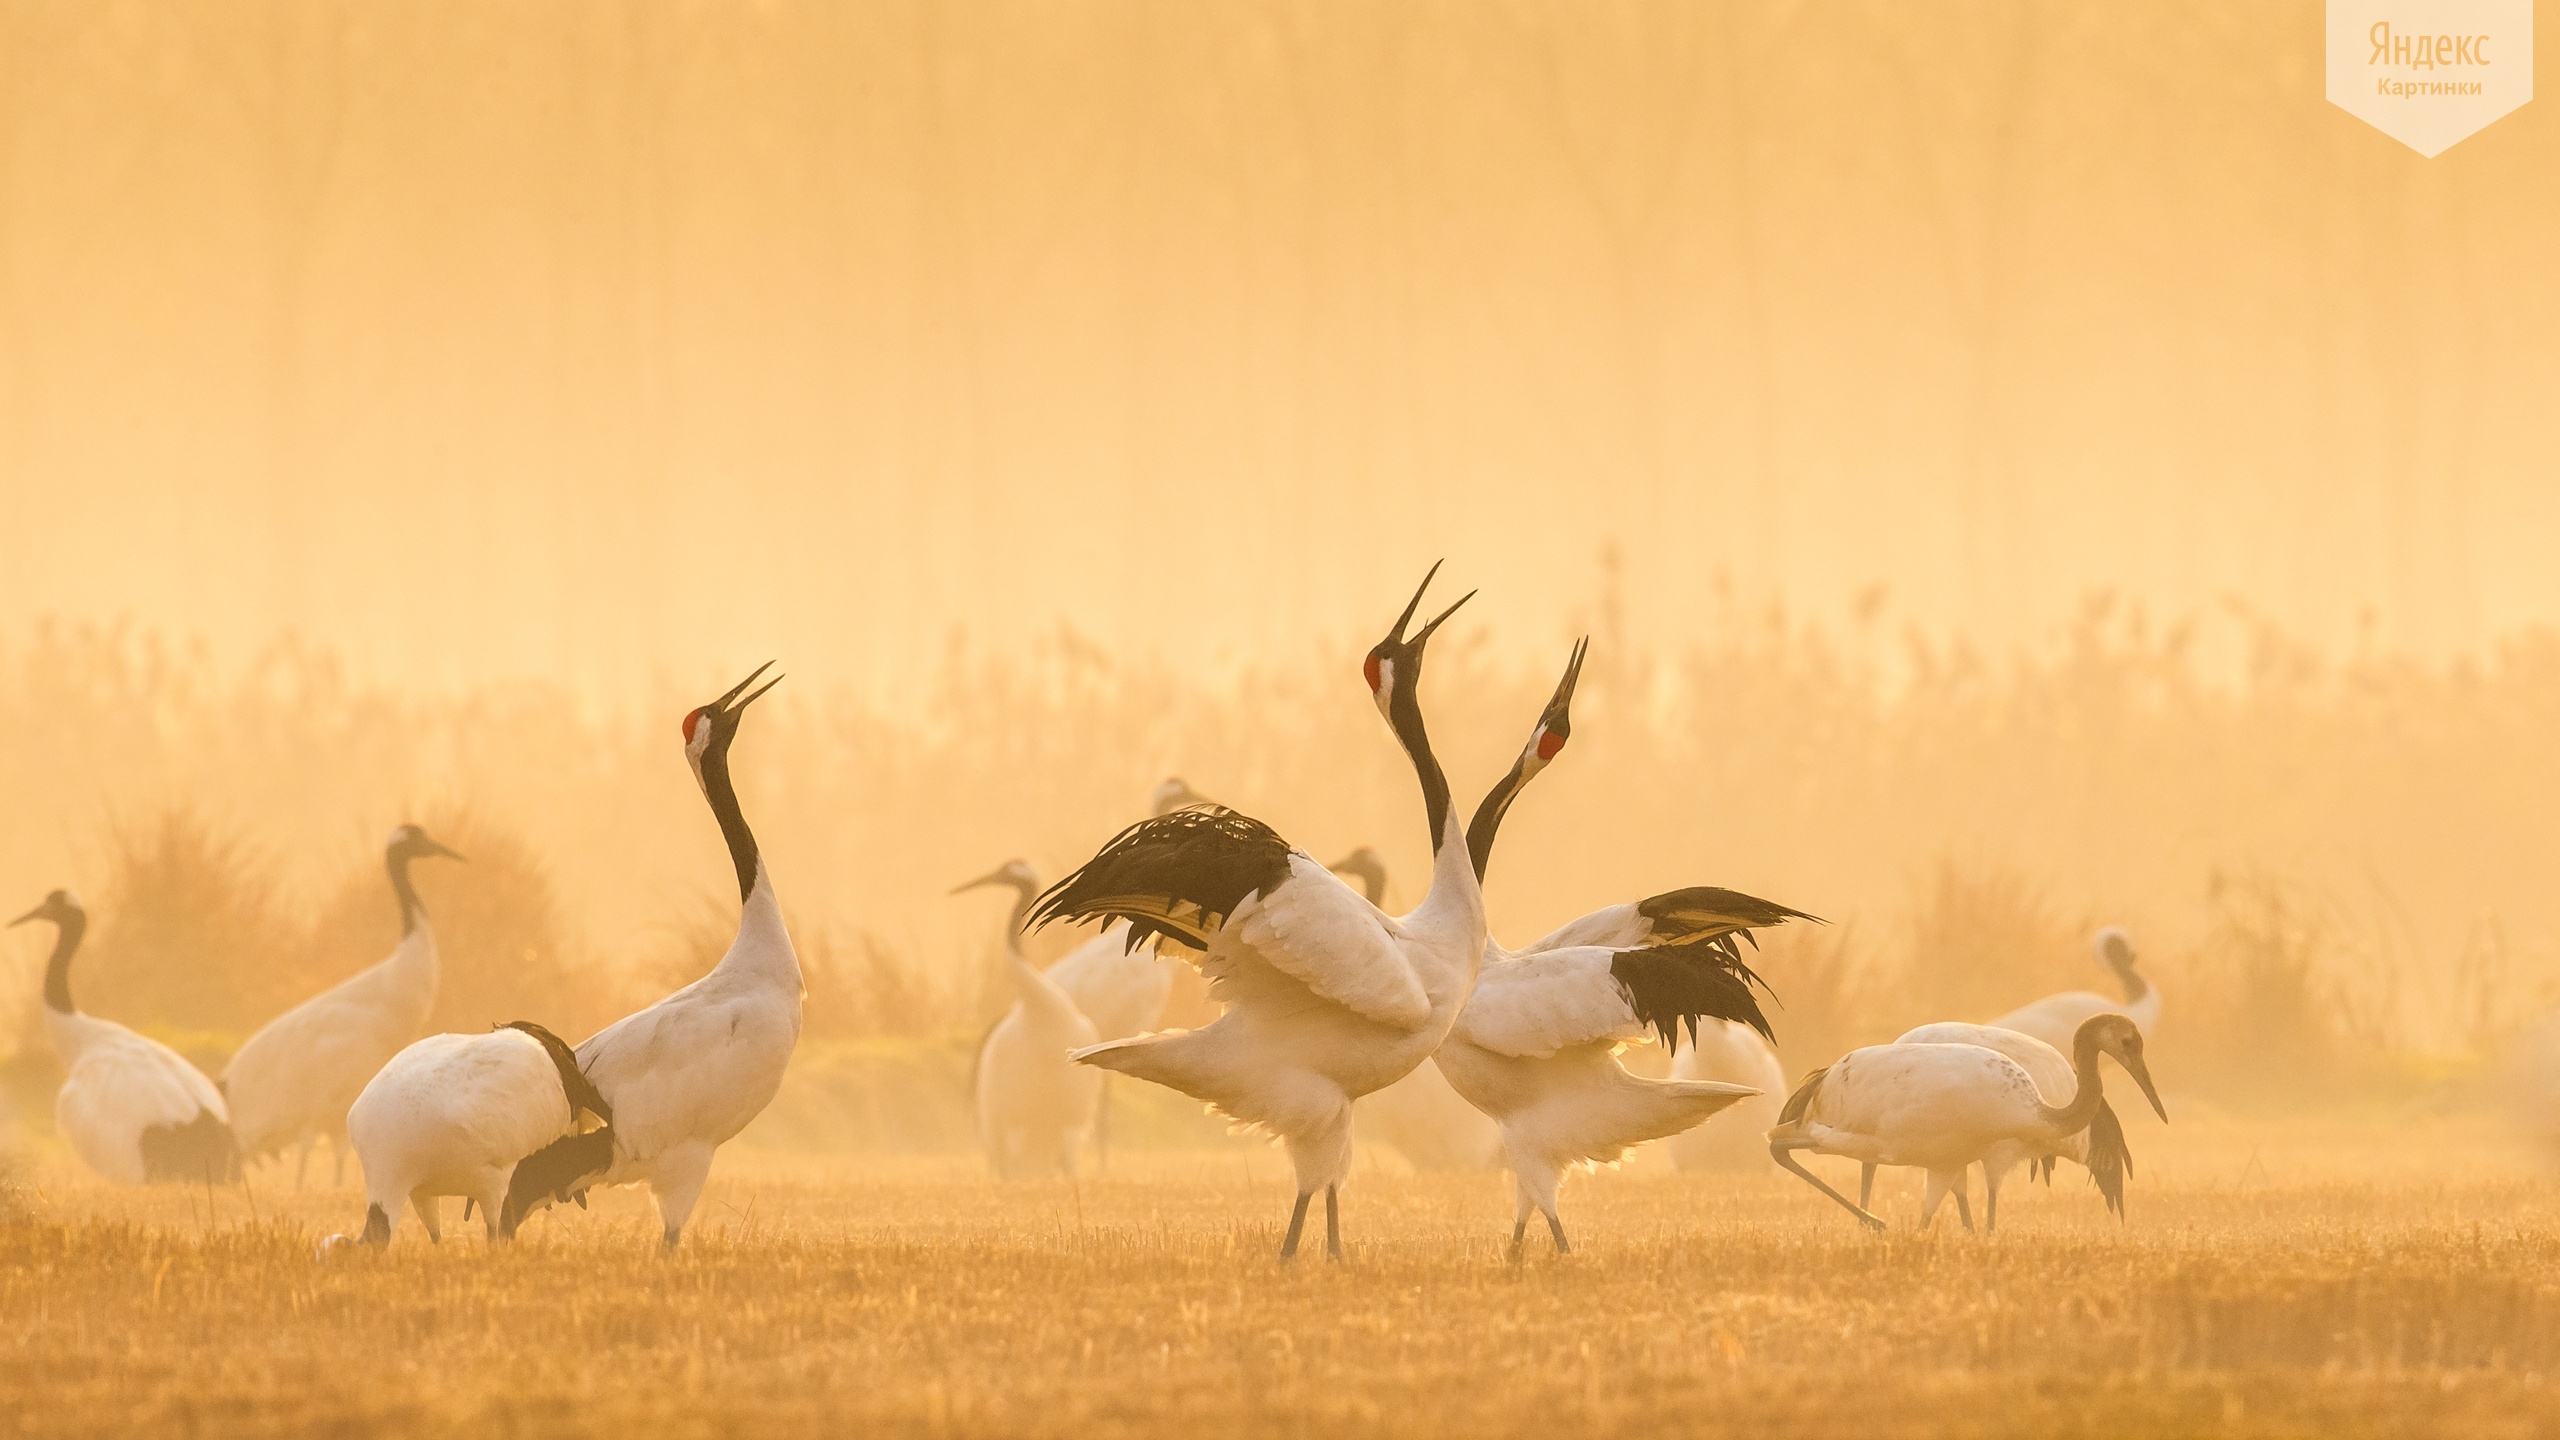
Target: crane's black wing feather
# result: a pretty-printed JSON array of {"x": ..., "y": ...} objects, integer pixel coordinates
[{"x": 1178, "y": 875}]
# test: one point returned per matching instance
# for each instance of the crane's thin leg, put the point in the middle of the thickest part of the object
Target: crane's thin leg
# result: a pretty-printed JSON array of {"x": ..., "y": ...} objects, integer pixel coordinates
[
  {"x": 1866, "y": 1184},
  {"x": 1932, "y": 1195},
  {"x": 1990, "y": 1203},
  {"x": 1332, "y": 1225},
  {"x": 1964, "y": 1207},
  {"x": 1519, "y": 1220},
  {"x": 1297, "y": 1222},
  {"x": 1784, "y": 1154},
  {"x": 1555, "y": 1227}
]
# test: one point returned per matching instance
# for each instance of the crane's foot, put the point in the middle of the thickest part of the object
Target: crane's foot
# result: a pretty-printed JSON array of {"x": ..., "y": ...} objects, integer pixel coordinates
[
  {"x": 1555, "y": 1227},
  {"x": 1297, "y": 1223}
]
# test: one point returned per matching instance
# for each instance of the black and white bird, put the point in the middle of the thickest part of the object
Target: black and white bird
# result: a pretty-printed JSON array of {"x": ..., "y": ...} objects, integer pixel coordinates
[
  {"x": 2056, "y": 1018},
  {"x": 293, "y": 1080},
  {"x": 1034, "y": 1106},
  {"x": 689, "y": 1072},
  {"x": 455, "y": 1115},
  {"x": 1941, "y": 1108},
  {"x": 1536, "y": 1046},
  {"x": 1327, "y": 998},
  {"x": 2100, "y": 1149},
  {"x": 131, "y": 1107}
]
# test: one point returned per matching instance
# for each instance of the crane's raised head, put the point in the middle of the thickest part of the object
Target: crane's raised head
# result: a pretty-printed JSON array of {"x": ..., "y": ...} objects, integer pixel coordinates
[
  {"x": 1017, "y": 874},
  {"x": 412, "y": 842},
  {"x": 2115, "y": 949},
  {"x": 58, "y": 907},
  {"x": 1174, "y": 793},
  {"x": 1555, "y": 724},
  {"x": 1394, "y": 665},
  {"x": 709, "y": 728},
  {"x": 2118, "y": 1036}
]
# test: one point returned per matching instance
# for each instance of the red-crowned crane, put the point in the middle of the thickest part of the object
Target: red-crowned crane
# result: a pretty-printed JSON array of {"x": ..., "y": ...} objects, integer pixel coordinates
[
  {"x": 1420, "y": 1117},
  {"x": 1034, "y": 1106},
  {"x": 2100, "y": 1149},
  {"x": 131, "y": 1107},
  {"x": 689, "y": 1072},
  {"x": 293, "y": 1080},
  {"x": 1944, "y": 1107},
  {"x": 1327, "y": 997}
]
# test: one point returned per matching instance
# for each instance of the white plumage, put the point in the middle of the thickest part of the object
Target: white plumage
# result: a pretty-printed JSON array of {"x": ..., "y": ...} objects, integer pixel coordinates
[
  {"x": 2099, "y": 1149},
  {"x": 1327, "y": 998},
  {"x": 1421, "y": 1117},
  {"x": 454, "y": 1115},
  {"x": 2056, "y": 1018},
  {"x": 1034, "y": 1106},
  {"x": 132, "y": 1108},
  {"x": 292, "y": 1081},
  {"x": 1737, "y": 1140},
  {"x": 1942, "y": 1108},
  {"x": 686, "y": 1074}
]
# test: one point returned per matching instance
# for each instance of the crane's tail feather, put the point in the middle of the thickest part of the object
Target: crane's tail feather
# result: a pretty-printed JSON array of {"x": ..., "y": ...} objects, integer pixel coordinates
[
  {"x": 1793, "y": 1111},
  {"x": 201, "y": 1152},
  {"x": 1179, "y": 875},
  {"x": 581, "y": 1092},
  {"x": 561, "y": 1170},
  {"x": 1698, "y": 910},
  {"x": 2110, "y": 1161},
  {"x": 1688, "y": 980}
]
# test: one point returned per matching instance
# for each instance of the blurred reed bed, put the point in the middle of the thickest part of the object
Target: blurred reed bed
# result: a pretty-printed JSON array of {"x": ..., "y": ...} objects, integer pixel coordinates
[{"x": 2333, "y": 863}]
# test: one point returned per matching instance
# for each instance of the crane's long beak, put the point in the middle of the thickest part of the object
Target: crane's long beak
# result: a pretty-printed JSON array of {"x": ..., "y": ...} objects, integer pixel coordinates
[
  {"x": 35, "y": 914},
  {"x": 992, "y": 877},
  {"x": 438, "y": 847},
  {"x": 1396, "y": 636},
  {"x": 2141, "y": 1073}
]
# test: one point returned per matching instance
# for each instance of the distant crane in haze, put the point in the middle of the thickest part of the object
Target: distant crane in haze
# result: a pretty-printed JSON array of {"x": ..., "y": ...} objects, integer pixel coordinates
[
  {"x": 455, "y": 1115},
  {"x": 1034, "y": 1105},
  {"x": 2056, "y": 1018},
  {"x": 688, "y": 1073},
  {"x": 292, "y": 1081},
  {"x": 1736, "y": 1140},
  {"x": 131, "y": 1107},
  {"x": 1327, "y": 998},
  {"x": 1944, "y": 1107}
]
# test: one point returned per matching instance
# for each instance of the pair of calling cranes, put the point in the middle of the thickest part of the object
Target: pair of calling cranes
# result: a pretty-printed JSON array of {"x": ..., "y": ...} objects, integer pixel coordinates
[{"x": 1328, "y": 999}]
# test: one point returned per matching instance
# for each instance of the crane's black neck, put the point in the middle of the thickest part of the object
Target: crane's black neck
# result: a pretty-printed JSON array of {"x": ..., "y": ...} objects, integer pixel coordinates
[
  {"x": 412, "y": 912},
  {"x": 1027, "y": 891},
  {"x": 57, "y": 971},
  {"x": 1488, "y": 819},
  {"x": 733, "y": 822},
  {"x": 2135, "y": 987},
  {"x": 1404, "y": 713}
]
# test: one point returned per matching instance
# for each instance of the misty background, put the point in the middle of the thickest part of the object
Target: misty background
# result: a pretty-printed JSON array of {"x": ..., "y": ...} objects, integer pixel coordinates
[{"x": 2027, "y": 465}]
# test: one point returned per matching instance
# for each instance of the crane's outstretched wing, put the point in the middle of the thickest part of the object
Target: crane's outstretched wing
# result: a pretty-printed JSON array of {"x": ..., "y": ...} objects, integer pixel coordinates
[
  {"x": 1180, "y": 875},
  {"x": 1324, "y": 935},
  {"x": 1673, "y": 915},
  {"x": 1538, "y": 1004}
]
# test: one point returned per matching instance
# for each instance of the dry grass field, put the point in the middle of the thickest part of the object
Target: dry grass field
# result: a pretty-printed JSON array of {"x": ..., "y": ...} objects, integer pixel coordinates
[{"x": 2273, "y": 1280}]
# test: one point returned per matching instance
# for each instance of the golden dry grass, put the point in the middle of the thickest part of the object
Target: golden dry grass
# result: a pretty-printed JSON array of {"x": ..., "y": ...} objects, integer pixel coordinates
[{"x": 2273, "y": 1281}]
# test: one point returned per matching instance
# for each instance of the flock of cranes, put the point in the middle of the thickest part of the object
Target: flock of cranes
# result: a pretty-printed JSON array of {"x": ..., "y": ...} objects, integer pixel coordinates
[{"x": 1457, "y": 1045}]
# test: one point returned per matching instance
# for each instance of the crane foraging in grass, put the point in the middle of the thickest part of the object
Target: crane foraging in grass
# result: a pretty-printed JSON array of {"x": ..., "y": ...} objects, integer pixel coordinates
[
  {"x": 2100, "y": 1149},
  {"x": 688, "y": 1073},
  {"x": 1327, "y": 997},
  {"x": 1944, "y": 1107},
  {"x": 292, "y": 1081},
  {"x": 133, "y": 1108},
  {"x": 1034, "y": 1106},
  {"x": 455, "y": 1115},
  {"x": 1536, "y": 1045},
  {"x": 2056, "y": 1018}
]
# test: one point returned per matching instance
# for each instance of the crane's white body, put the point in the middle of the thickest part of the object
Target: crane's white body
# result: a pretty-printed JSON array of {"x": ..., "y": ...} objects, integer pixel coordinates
[
  {"x": 1035, "y": 1106},
  {"x": 2047, "y": 1066},
  {"x": 1122, "y": 991},
  {"x": 1423, "y": 1118},
  {"x": 292, "y": 1081},
  {"x": 1327, "y": 999},
  {"x": 1736, "y": 1140},
  {"x": 1536, "y": 1048},
  {"x": 688, "y": 1073},
  {"x": 1938, "y": 1108},
  {"x": 451, "y": 1115},
  {"x": 121, "y": 1085}
]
